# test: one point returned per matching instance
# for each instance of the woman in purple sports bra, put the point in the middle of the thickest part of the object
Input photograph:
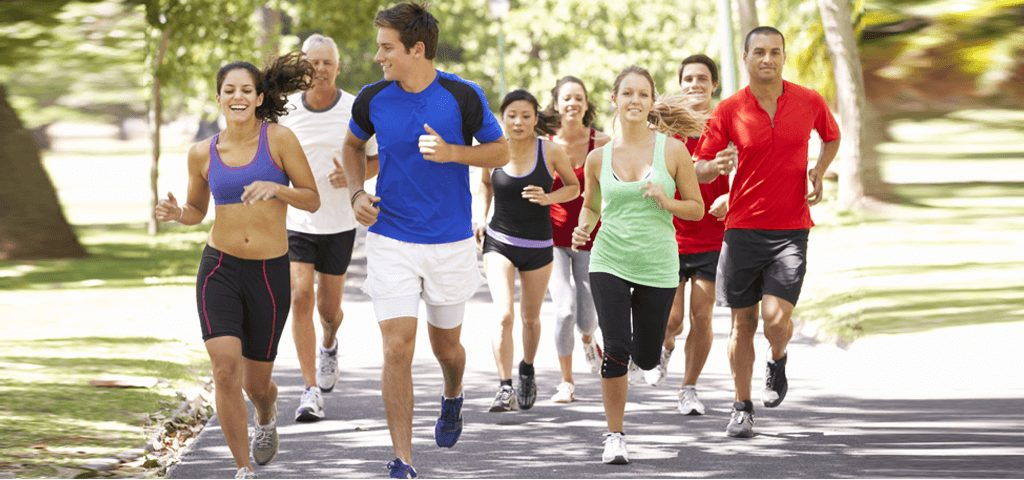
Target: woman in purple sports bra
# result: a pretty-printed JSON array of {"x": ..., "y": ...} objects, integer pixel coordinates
[{"x": 243, "y": 288}]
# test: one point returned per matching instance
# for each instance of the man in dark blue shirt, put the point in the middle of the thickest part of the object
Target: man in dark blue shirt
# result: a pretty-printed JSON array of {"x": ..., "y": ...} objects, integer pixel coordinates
[{"x": 420, "y": 243}]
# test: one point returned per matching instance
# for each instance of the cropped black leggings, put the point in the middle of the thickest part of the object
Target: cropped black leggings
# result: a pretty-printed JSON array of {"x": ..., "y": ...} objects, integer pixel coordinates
[{"x": 632, "y": 319}]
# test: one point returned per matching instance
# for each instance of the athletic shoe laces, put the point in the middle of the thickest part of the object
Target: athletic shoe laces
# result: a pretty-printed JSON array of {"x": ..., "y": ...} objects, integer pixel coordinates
[{"x": 264, "y": 437}]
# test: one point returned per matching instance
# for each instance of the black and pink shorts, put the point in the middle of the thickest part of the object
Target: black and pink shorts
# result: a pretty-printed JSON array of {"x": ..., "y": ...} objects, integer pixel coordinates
[{"x": 247, "y": 299}]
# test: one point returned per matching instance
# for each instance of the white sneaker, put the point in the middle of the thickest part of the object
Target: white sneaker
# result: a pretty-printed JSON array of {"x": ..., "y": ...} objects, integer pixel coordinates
[
  {"x": 689, "y": 404},
  {"x": 634, "y": 373},
  {"x": 264, "y": 440},
  {"x": 311, "y": 406},
  {"x": 245, "y": 472},
  {"x": 594, "y": 355},
  {"x": 566, "y": 393},
  {"x": 327, "y": 374},
  {"x": 655, "y": 375},
  {"x": 615, "y": 449}
]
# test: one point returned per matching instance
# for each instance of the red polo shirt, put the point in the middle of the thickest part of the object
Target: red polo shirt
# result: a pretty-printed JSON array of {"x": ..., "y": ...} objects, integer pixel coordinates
[
  {"x": 706, "y": 234},
  {"x": 769, "y": 191}
]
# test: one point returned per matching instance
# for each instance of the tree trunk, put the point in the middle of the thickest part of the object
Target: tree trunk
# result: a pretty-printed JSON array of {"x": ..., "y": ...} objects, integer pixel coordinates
[
  {"x": 748, "y": 22},
  {"x": 748, "y": 15},
  {"x": 32, "y": 223},
  {"x": 155, "y": 120},
  {"x": 842, "y": 49},
  {"x": 270, "y": 38}
]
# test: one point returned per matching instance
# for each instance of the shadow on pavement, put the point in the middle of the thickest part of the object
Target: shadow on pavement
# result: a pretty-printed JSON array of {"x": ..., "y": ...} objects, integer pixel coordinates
[{"x": 811, "y": 435}]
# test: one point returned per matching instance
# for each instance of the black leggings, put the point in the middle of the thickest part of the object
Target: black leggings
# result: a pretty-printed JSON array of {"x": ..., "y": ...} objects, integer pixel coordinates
[{"x": 616, "y": 300}]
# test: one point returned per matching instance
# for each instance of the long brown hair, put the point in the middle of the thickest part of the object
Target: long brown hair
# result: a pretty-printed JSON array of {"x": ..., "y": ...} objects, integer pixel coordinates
[
  {"x": 671, "y": 114},
  {"x": 284, "y": 75}
]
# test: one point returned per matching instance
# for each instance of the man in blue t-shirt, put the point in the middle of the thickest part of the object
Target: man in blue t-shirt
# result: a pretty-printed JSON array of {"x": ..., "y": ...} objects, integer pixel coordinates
[{"x": 420, "y": 243}]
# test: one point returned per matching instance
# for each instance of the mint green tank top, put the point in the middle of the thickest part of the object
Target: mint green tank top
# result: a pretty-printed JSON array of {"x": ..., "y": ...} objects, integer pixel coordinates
[{"x": 637, "y": 241}]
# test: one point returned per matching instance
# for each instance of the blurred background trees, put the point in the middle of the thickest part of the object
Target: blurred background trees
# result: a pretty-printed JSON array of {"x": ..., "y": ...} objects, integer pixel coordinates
[{"x": 114, "y": 61}]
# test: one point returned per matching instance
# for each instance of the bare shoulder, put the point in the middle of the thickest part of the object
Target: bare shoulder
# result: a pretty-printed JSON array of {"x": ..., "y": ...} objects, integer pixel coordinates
[
  {"x": 601, "y": 139},
  {"x": 595, "y": 156},
  {"x": 277, "y": 131},
  {"x": 200, "y": 151}
]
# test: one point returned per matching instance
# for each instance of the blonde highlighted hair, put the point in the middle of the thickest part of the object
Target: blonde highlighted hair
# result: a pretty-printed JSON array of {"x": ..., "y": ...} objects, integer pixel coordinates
[{"x": 672, "y": 113}]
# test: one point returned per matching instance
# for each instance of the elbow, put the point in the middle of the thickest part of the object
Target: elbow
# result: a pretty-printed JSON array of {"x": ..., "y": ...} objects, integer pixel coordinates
[
  {"x": 314, "y": 205},
  {"x": 575, "y": 192},
  {"x": 501, "y": 159}
]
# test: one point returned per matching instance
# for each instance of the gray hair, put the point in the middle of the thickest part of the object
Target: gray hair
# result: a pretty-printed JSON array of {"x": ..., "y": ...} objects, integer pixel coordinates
[{"x": 316, "y": 40}]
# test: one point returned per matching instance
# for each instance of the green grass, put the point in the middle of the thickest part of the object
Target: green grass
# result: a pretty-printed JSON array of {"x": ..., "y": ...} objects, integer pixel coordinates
[
  {"x": 949, "y": 253},
  {"x": 119, "y": 256},
  {"x": 52, "y": 419}
]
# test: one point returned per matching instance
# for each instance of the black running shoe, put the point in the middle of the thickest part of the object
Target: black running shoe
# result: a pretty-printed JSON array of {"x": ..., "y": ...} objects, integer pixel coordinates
[
  {"x": 527, "y": 392},
  {"x": 775, "y": 384}
]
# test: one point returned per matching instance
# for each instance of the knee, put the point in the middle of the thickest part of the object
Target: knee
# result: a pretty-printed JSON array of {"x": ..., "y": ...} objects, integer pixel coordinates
[
  {"x": 227, "y": 375},
  {"x": 398, "y": 350},
  {"x": 700, "y": 326},
  {"x": 302, "y": 297},
  {"x": 505, "y": 320},
  {"x": 531, "y": 320},
  {"x": 258, "y": 388},
  {"x": 449, "y": 355}
]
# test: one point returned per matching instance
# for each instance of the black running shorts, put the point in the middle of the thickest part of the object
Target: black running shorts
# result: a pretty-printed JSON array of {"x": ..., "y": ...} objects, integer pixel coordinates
[
  {"x": 522, "y": 258},
  {"x": 754, "y": 263},
  {"x": 329, "y": 253},
  {"x": 698, "y": 265},
  {"x": 247, "y": 299}
]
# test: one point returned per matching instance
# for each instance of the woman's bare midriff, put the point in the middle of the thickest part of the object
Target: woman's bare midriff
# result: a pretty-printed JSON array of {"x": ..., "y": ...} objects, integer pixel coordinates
[{"x": 254, "y": 232}]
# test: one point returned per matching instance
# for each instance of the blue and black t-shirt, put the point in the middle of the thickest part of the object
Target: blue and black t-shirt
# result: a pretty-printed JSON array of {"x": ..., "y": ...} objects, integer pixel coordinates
[{"x": 423, "y": 201}]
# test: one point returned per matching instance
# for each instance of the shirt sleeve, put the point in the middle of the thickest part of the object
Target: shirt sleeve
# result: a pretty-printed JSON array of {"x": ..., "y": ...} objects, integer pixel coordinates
[
  {"x": 715, "y": 137},
  {"x": 360, "y": 123},
  {"x": 487, "y": 129},
  {"x": 824, "y": 122}
]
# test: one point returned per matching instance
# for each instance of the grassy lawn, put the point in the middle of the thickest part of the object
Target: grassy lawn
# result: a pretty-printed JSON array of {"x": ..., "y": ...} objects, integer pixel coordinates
[
  {"x": 951, "y": 253},
  {"x": 119, "y": 256},
  {"x": 52, "y": 419}
]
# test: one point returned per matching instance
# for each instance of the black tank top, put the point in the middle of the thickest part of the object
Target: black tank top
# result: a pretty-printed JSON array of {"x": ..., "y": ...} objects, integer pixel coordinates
[{"x": 515, "y": 215}]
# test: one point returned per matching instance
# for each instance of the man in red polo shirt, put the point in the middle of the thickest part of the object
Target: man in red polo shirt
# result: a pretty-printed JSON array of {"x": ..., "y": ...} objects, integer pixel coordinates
[
  {"x": 763, "y": 259},
  {"x": 699, "y": 245}
]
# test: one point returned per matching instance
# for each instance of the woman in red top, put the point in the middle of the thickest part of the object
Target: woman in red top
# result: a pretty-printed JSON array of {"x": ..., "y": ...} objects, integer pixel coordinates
[{"x": 570, "y": 280}]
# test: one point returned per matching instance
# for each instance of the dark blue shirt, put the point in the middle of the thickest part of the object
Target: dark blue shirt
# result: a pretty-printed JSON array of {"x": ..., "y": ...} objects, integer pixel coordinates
[{"x": 423, "y": 201}]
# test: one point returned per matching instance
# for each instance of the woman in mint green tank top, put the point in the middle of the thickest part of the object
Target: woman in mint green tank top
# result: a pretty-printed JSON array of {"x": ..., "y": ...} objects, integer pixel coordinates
[{"x": 634, "y": 265}]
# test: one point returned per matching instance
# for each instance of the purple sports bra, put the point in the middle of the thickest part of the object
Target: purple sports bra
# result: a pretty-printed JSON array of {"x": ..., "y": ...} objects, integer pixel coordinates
[{"x": 227, "y": 182}]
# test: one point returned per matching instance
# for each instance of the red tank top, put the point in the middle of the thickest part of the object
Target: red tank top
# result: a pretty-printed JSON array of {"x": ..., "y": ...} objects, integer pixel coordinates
[
  {"x": 565, "y": 216},
  {"x": 706, "y": 234}
]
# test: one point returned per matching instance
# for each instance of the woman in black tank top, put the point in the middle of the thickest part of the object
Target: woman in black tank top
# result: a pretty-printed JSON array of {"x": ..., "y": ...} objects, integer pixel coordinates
[{"x": 518, "y": 237}]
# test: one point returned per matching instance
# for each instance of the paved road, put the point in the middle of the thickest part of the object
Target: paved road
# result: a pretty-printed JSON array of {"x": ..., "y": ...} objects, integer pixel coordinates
[{"x": 947, "y": 403}]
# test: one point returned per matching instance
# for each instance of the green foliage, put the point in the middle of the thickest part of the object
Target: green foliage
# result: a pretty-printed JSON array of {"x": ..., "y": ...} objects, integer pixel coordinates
[
  {"x": 201, "y": 36},
  {"x": 83, "y": 59}
]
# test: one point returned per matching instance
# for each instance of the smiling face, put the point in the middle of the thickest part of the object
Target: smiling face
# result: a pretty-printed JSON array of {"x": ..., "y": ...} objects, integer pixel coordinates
[
  {"x": 325, "y": 63},
  {"x": 765, "y": 57},
  {"x": 396, "y": 61},
  {"x": 520, "y": 119},
  {"x": 697, "y": 85},
  {"x": 634, "y": 98},
  {"x": 571, "y": 101},
  {"x": 237, "y": 97}
]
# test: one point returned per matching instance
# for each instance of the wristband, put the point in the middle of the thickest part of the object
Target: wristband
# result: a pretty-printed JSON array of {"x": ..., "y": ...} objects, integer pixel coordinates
[
  {"x": 181, "y": 215},
  {"x": 354, "y": 195}
]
